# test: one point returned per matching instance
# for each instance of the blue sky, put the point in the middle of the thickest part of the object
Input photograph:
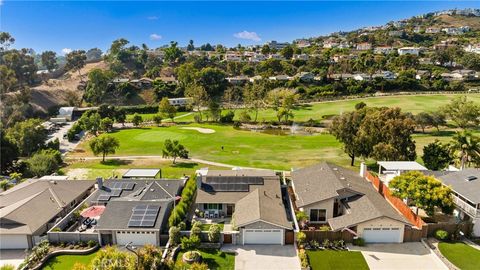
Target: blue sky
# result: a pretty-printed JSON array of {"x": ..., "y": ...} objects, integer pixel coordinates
[{"x": 86, "y": 24}]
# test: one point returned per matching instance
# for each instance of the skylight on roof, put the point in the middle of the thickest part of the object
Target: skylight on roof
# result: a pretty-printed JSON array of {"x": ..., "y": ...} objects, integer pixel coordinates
[{"x": 471, "y": 178}]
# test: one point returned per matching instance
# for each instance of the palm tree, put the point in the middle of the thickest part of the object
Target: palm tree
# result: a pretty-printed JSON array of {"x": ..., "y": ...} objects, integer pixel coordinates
[{"x": 466, "y": 147}]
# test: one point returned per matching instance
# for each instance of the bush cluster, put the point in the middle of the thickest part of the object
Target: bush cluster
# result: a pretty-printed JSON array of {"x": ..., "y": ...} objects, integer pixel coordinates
[
  {"x": 181, "y": 209},
  {"x": 441, "y": 235}
]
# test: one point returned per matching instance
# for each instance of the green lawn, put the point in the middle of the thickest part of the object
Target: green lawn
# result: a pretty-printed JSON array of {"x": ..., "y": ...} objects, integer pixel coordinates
[
  {"x": 66, "y": 262},
  {"x": 216, "y": 260},
  {"x": 340, "y": 260},
  {"x": 461, "y": 255},
  {"x": 241, "y": 147},
  {"x": 206, "y": 227}
]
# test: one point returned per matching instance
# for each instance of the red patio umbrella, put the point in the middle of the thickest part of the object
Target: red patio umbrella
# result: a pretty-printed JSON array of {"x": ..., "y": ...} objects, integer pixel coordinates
[{"x": 93, "y": 211}]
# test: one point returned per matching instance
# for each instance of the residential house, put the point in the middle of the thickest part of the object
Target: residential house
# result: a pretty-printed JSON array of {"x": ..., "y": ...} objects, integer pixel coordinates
[
  {"x": 237, "y": 80},
  {"x": 417, "y": 29},
  {"x": 409, "y": 50},
  {"x": 184, "y": 101},
  {"x": 456, "y": 30},
  {"x": 383, "y": 50},
  {"x": 258, "y": 57},
  {"x": 473, "y": 48},
  {"x": 460, "y": 75},
  {"x": 136, "y": 211},
  {"x": 432, "y": 30},
  {"x": 302, "y": 56},
  {"x": 361, "y": 77},
  {"x": 422, "y": 74},
  {"x": 342, "y": 76},
  {"x": 365, "y": 46},
  {"x": 396, "y": 33},
  {"x": 302, "y": 43},
  {"x": 399, "y": 24},
  {"x": 255, "y": 78},
  {"x": 387, "y": 170},
  {"x": 142, "y": 82},
  {"x": 305, "y": 76},
  {"x": 254, "y": 200},
  {"x": 330, "y": 44},
  {"x": 276, "y": 56},
  {"x": 31, "y": 208},
  {"x": 387, "y": 75},
  {"x": 343, "y": 200},
  {"x": 465, "y": 185},
  {"x": 233, "y": 57},
  {"x": 280, "y": 78},
  {"x": 277, "y": 45}
]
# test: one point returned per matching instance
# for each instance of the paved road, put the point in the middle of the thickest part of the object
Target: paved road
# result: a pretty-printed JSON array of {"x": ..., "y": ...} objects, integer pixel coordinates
[
  {"x": 264, "y": 257},
  {"x": 404, "y": 256},
  {"x": 65, "y": 145}
]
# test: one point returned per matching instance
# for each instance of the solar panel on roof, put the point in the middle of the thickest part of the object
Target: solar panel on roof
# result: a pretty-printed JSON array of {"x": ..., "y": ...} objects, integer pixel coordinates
[
  {"x": 103, "y": 197},
  {"x": 116, "y": 193},
  {"x": 144, "y": 215}
]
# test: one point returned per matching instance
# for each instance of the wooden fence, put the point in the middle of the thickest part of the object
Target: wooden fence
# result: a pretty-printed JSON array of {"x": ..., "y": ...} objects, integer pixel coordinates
[
  {"x": 396, "y": 202},
  {"x": 451, "y": 228}
]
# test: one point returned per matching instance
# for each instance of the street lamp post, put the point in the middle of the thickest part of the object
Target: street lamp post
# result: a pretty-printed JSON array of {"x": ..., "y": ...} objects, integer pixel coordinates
[{"x": 131, "y": 248}]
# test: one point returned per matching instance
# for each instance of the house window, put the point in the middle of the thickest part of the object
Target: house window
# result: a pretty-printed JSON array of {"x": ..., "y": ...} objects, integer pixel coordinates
[
  {"x": 318, "y": 215},
  {"x": 212, "y": 206}
]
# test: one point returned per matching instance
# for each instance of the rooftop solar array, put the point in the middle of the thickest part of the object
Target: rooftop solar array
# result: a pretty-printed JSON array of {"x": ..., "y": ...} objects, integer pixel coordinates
[
  {"x": 115, "y": 190},
  {"x": 144, "y": 215},
  {"x": 230, "y": 183}
]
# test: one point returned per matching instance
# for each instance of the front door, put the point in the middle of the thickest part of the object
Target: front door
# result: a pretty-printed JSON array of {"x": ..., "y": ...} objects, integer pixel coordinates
[{"x": 229, "y": 210}]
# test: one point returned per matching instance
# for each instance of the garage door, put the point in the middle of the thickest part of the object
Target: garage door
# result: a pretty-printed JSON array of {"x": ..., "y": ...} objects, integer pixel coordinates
[
  {"x": 13, "y": 242},
  {"x": 137, "y": 238},
  {"x": 382, "y": 235},
  {"x": 267, "y": 237}
]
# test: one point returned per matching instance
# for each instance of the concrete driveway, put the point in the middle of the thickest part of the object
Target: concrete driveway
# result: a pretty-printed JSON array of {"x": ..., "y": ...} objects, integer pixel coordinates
[
  {"x": 11, "y": 256},
  {"x": 404, "y": 256},
  {"x": 265, "y": 257}
]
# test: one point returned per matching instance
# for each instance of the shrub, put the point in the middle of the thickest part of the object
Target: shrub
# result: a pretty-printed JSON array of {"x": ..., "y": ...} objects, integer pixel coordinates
[
  {"x": 301, "y": 237},
  {"x": 228, "y": 117},
  {"x": 245, "y": 117},
  {"x": 326, "y": 243},
  {"x": 359, "y": 242},
  {"x": 324, "y": 228},
  {"x": 7, "y": 267},
  {"x": 214, "y": 233},
  {"x": 196, "y": 230},
  {"x": 182, "y": 226},
  {"x": 303, "y": 258},
  {"x": 441, "y": 235},
  {"x": 174, "y": 235},
  {"x": 56, "y": 229},
  {"x": 91, "y": 243},
  {"x": 199, "y": 266},
  {"x": 192, "y": 242}
]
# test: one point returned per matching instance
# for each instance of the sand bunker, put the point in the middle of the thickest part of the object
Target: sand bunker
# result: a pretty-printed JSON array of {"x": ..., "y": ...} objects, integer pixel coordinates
[{"x": 201, "y": 130}]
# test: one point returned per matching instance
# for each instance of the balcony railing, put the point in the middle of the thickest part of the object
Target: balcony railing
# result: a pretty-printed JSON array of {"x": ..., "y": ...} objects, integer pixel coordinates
[{"x": 470, "y": 210}]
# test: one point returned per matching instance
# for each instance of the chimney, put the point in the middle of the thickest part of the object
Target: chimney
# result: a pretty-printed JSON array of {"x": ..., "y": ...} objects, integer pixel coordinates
[
  {"x": 100, "y": 182},
  {"x": 363, "y": 170}
]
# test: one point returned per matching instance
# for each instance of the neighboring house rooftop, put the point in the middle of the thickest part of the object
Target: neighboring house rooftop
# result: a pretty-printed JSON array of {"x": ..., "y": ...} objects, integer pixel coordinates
[
  {"x": 135, "y": 194},
  {"x": 465, "y": 182},
  {"x": 261, "y": 206},
  {"x": 257, "y": 195},
  {"x": 325, "y": 180},
  {"x": 401, "y": 166},
  {"x": 27, "y": 207}
]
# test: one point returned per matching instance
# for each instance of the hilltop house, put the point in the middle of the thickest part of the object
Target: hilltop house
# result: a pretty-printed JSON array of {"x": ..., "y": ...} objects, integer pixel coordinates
[
  {"x": 432, "y": 30},
  {"x": 408, "y": 50},
  {"x": 344, "y": 200},
  {"x": 365, "y": 46},
  {"x": 31, "y": 208},
  {"x": 383, "y": 50},
  {"x": 254, "y": 200},
  {"x": 237, "y": 79}
]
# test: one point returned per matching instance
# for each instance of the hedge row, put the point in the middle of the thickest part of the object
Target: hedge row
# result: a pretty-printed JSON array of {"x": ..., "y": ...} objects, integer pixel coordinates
[{"x": 181, "y": 209}]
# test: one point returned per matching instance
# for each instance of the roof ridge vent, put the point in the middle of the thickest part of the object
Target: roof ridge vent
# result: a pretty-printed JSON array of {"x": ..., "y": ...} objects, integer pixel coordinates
[{"x": 471, "y": 178}]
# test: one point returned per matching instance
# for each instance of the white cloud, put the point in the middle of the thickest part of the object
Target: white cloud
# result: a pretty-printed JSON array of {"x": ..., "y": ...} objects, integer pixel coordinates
[
  {"x": 247, "y": 35},
  {"x": 155, "y": 37},
  {"x": 152, "y": 18},
  {"x": 66, "y": 51}
]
